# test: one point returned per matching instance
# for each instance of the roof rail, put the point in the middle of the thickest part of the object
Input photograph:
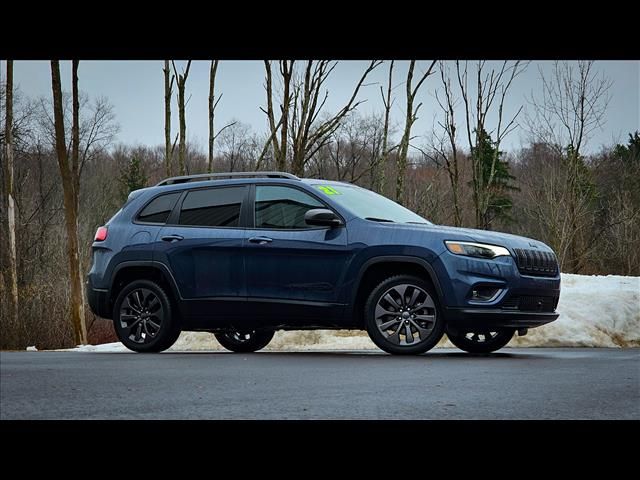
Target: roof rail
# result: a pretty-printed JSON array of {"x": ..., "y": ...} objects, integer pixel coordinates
[{"x": 212, "y": 176}]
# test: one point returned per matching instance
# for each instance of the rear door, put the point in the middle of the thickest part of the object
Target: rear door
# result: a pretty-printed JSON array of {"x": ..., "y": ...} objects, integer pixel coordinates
[{"x": 202, "y": 244}]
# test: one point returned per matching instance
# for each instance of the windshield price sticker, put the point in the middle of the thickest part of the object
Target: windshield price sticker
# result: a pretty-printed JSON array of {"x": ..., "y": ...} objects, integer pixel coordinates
[{"x": 328, "y": 190}]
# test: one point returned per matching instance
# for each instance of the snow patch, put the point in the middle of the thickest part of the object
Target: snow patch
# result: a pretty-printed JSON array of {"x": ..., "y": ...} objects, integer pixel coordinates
[
  {"x": 115, "y": 347},
  {"x": 595, "y": 311}
]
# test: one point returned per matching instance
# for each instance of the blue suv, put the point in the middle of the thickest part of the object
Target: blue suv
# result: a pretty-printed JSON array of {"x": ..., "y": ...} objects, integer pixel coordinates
[{"x": 242, "y": 255}]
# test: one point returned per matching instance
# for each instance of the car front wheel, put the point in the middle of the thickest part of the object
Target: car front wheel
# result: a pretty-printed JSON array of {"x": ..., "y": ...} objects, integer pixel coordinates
[{"x": 402, "y": 316}]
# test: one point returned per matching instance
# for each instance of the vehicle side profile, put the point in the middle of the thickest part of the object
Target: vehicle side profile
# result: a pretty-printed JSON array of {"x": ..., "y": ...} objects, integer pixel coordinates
[{"x": 242, "y": 255}]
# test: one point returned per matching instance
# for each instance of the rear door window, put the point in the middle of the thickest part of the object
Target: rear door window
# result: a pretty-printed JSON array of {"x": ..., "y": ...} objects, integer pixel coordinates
[{"x": 212, "y": 207}]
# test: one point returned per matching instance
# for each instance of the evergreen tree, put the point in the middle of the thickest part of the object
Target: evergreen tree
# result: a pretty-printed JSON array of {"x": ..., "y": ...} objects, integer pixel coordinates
[
  {"x": 628, "y": 158},
  {"x": 132, "y": 177},
  {"x": 499, "y": 203}
]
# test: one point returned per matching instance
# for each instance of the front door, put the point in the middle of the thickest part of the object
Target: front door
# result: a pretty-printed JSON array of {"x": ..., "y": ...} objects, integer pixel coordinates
[{"x": 294, "y": 270}]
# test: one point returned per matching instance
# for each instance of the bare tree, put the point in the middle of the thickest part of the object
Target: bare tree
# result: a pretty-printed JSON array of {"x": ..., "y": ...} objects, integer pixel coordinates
[
  {"x": 8, "y": 200},
  {"x": 168, "y": 92},
  {"x": 213, "y": 104},
  {"x": 69, "y": 173},
  {"x": 237, "y": 147},
  {"x": 212, "y": 109},
  {"x": 97, "y": 128},
  {"x": 353, "y": 150},
  {"x": 181, "y": 82},
  {"x": 411, "y": 117},
  {"x": 279, "y": 145},
  {"x": 572, "y": 106},
  {"x": 303, "y": 99},
  {"x": 379, "y": 166},
  {"x": 491, "y": 91},
  {"x": 445, "y": 148}
]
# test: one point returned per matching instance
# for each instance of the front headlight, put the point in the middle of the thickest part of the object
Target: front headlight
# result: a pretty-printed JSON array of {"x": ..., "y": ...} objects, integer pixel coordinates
[{"x": 479, "y": 250}]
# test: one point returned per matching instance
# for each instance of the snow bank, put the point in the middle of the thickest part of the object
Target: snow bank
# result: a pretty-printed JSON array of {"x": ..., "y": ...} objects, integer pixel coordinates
[{"x": 595, "y": 311}]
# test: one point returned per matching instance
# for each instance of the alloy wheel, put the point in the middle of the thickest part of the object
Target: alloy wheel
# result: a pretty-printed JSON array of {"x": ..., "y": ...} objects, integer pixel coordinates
[
  {"x": 141, "y": 315},
  {"x": 405, "y": 315},
  {"x": 480, "y": 337}
]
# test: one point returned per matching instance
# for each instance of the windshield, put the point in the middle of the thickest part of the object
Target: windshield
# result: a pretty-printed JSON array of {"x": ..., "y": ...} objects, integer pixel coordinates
[{"x": 369, "y": 205}]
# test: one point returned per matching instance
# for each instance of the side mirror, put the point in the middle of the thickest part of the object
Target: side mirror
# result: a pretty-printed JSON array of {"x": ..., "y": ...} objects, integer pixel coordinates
[{"x": 322, "y": 217}]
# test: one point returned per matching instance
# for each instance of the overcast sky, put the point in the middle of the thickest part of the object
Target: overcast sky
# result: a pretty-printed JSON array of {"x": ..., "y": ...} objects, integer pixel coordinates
[{"x": 136, "y": 90}]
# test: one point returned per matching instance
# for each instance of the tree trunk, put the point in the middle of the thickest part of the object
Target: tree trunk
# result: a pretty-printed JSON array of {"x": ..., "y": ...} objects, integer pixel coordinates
[
  {"x": 168, "y": 150},
  {"x": 297, "y": 162},
  {"x": 381, "y": 164},
  {"x": 287, "y": 71},
  {"x": 212, "y": 98},
  {"x": 70, "y": 200},
  {"x": 181, "y": 81},
  {"x": 183, "y": 130},
  {"x": 411, "y": 117},
  {"x": 75, "y": 136},
  {"x": 401, "y": 163},
  {"x": 11, "y": 272}
]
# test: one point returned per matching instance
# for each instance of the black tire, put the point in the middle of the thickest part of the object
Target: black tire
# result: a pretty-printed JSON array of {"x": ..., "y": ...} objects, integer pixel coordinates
[
  {"x": 136, "y": 330},
  {"x": 422, "y": 317},
  {"x": 480, "y": 341},
  {"x": 245, "y": 342}
]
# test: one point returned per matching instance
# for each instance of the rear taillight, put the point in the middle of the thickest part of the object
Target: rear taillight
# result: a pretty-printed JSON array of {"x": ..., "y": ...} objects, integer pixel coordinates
[{"x": 101, "y": 234}]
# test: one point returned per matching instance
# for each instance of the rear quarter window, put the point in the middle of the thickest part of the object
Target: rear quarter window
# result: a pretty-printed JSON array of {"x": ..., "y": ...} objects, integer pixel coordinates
[{"x": 158, "y": 210}]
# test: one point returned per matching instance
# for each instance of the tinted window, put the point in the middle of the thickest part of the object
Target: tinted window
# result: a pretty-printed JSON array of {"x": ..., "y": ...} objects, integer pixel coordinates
[
  {"x": 282, "y": 207},
  {"x": 158, "y": 210},
  {"x": 215, "y": 207}
]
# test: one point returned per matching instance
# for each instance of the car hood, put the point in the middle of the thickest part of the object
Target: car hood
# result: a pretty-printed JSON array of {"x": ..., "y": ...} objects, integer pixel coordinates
[{"x": 482, "y": 236}]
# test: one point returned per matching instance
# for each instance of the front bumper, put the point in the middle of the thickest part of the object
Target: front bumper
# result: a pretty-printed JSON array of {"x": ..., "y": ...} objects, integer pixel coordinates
[
  {"x": 524, "y": 301},
  {"x": 496, "y": 318}
]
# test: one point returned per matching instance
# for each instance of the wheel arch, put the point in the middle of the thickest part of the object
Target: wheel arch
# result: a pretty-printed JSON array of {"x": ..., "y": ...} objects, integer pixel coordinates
[
  {"x": 374, "y": 270},
  {"x": 126, "y": 272}
]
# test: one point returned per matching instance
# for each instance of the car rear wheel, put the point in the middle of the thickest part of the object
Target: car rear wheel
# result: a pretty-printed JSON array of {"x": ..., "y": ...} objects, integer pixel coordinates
[
  {"x": 143, "y": 317},
  {"x": 245, "y": 341},
  {"x": 402, "y": 316},
  {"x": 480, "y": 341}
]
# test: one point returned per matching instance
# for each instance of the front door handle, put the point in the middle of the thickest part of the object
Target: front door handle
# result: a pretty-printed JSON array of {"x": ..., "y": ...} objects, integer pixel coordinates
[
  {"x": 172, "y": 238},
  {"x": 260, "y": 240}
]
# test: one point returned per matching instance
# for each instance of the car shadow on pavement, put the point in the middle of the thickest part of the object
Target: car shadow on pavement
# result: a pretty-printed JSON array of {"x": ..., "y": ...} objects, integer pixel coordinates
[{"x": 433, "y": 355}]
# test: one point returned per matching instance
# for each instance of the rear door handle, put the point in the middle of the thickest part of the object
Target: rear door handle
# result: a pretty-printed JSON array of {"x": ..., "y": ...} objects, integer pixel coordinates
[
  {"x": 260, "y": 240},
  {"x": 172, "y": 238}
]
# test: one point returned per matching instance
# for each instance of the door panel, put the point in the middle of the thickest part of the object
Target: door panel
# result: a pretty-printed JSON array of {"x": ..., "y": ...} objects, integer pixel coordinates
[
  {"x": 203, "y": 246},
  {"x": 305, "y": 265},
  {"x": 292, "y": 269}
]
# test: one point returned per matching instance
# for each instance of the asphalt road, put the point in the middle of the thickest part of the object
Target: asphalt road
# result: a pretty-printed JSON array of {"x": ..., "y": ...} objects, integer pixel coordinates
[{"x": 443, "y": 384}]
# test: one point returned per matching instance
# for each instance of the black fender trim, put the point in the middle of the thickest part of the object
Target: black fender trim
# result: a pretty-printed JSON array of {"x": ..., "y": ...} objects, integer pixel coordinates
[
  {"x": 398, "y": 258},
  {"x": 151, "y": 264}
]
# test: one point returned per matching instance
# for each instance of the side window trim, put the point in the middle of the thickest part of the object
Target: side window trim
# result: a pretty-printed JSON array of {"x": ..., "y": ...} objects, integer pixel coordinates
[
  {"x": 312, "y": 194},
  {"x": 174, "y": 217}
]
